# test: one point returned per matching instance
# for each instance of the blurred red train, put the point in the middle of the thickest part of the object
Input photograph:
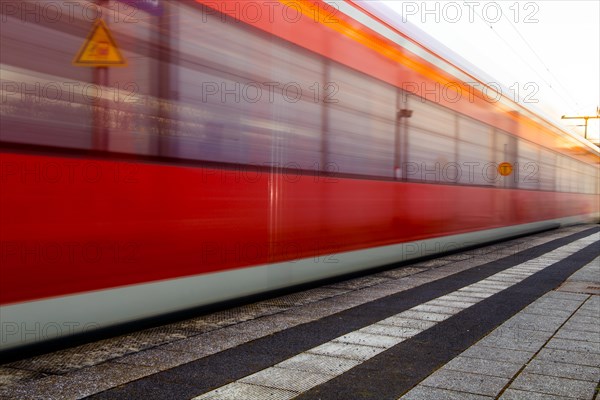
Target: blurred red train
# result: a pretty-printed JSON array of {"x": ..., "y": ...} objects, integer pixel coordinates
[{"x": 246, "y": 147}]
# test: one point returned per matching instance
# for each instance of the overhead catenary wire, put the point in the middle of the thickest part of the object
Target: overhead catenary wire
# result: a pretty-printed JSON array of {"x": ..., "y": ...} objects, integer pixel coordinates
[{"x": 574, "y": 102}]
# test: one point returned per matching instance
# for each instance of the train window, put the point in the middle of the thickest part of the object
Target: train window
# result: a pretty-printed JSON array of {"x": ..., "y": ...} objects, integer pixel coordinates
[
  {"x": 431, "y": 158},
  {"x": 235, "y": 48},
  {"x": 214, "y": 128},
  {"x": 563, "y": 174},
  {"x": 589, "y": 186},
  {"x": 528, "y": 165},
  {"x": 217, "y": 43},
  {"x": 547, "y": 170},
  {"x": 34, "y": 93},
  {"x": 122, "y": 110},
  {"x": 430, "y": 117},
  {"x": 298, "y": 139},
  {"x": 590, "y": 183},
  {"x": 470, "y": 130},
  {"x": 133, "y": 124},
  {"x": 527, "y": 150},
  {"x": 359, "y": 144},
  {"x": 245, "y": 132},
  {"x": 431, "y": 143},
  {"x": 474, "y": 152},
  {"x": 361, "y": 124},
  {"x": 594, "y": 181},
  {"x": 581, "y": 176},
  {"x": 359, "y": 92},
  {"x": 506, "y": 150},
  {"x": 565, "y": 167},
  {"x": 583, "y": 187},
  {"x": 574, "y": 175},
  {"x": 245, "y": 101},
  {"x": 475, "y": 164}
]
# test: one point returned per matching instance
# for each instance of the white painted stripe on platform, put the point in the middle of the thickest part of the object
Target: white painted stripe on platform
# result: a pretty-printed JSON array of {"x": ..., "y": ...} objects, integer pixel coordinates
[{"x": 296, "y": 375}]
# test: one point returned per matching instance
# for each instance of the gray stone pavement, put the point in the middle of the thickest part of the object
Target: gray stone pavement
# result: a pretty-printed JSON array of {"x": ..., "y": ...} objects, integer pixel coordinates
[{"x": 549, "y": 350}]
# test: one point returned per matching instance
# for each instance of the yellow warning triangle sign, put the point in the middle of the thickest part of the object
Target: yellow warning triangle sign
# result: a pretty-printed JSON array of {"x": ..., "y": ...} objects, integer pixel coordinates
[{"x": 100, "y": 49}]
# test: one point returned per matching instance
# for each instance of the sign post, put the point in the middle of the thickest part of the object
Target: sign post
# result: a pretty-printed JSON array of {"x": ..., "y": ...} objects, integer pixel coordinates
[{"x": 100, "y": 51}]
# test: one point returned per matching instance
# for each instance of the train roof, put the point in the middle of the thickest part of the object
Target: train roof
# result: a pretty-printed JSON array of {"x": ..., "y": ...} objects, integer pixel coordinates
[{"x": 425, "y": 46}]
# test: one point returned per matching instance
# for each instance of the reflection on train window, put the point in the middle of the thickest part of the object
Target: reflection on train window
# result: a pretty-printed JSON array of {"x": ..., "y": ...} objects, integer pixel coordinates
[
  {"x": 361, "y": 125},
  {"x": 474, "y": 151},
  {"x": 358, "y": 144},
  {"x": 547, "y": 170},
  {"x": 431, "y": 117},
  {"x": 528, "y": 165},
  {"x": 431, "y": 157}
]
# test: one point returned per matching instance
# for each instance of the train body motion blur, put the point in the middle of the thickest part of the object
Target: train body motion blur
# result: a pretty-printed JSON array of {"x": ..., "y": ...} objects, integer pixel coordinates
[{"x": 246, "y": 149}]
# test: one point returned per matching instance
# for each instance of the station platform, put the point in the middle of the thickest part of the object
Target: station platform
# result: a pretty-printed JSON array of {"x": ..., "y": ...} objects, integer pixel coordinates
[{"x": 518, "y": 319}]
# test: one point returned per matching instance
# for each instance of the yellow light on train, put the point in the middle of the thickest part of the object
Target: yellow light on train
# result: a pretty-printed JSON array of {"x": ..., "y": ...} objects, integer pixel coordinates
[
  {"x": 100, "y": 49},
  {"x": 505, "y": 168}
]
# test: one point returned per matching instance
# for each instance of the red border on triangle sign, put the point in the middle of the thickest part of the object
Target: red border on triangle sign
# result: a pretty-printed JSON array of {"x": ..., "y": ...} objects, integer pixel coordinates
[{"x": 100, "y": 49}]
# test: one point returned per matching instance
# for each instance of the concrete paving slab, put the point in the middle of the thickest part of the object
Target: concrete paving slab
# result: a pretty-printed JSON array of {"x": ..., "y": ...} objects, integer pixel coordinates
[
  {"x": 500, "y": 369},
  {"x": 578, "y": 335},
  {"x": 570, "y": 357},
  {"x": 498, "y": 354},
  {"x": 429, "y": 393},
  {"x": 513, "y": 394},
  {"x": 574, "y": 345},
  {"x": 466, "y": 382},
  {"x": 554, "y": 385},
  {"x": 563, "y": 370}
]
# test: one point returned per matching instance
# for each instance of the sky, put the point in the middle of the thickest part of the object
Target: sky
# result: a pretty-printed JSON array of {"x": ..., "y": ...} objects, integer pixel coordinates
[{"x": 548, "y": 50}]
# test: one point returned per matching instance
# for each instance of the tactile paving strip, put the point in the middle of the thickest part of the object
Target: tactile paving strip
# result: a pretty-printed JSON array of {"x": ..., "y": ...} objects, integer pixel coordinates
[{"x": 64, "y": 361}]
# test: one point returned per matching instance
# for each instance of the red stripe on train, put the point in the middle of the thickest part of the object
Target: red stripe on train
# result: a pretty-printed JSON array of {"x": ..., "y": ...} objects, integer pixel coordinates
[{"x": 71, "y": 225}]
